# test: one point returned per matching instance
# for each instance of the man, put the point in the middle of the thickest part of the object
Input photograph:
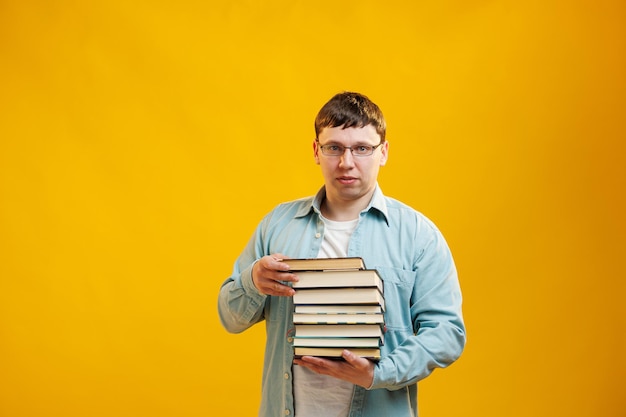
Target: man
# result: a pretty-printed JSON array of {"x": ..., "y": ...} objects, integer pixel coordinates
[{"x": 349, "y": 216}]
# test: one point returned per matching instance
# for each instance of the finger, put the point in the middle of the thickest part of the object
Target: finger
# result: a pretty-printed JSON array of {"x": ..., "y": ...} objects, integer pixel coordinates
[
  {"x": 277, "y": 269},
  {"x": 267, "y": 271},
  {"x": 355, "y": 360},
  {"x": 276, "y": 288},
  {"x": 312, "y": 363},
  {"x": 318, "y": 362},
  {"x": 350, "y": 357},
  {"x": 279, "y": 257},
  {"x": 277, "y": 262},
  {"x": 282, "y": 276}
]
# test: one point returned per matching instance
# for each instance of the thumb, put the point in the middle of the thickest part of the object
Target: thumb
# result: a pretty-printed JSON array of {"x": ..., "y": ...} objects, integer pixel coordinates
[{"x": 350, "y": 357}]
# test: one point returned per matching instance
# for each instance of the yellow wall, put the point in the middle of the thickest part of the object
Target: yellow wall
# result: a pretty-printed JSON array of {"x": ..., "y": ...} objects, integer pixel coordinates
[{"x": 141, "y": 142}]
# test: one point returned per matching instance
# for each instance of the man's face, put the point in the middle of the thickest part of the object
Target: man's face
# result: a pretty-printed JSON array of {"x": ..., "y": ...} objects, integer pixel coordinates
[{"x": 349, "y": 178}]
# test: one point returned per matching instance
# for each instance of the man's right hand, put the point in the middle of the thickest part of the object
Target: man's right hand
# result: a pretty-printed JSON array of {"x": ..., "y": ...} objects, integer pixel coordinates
[{"x": 269, "y": 275}]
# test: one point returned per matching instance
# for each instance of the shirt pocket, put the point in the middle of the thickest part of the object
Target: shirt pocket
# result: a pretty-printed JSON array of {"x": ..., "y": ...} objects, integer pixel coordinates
[{"x": 397, "y": 288}]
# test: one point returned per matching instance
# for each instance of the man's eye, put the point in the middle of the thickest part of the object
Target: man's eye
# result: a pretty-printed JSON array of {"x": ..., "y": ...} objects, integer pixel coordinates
[
  {"x": 333, "y": 148},
  {"x": 363, "y": 148}
]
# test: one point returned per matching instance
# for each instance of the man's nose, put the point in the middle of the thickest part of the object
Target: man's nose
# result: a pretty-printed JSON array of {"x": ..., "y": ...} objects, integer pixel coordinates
[{"x": 347, "y": 158}]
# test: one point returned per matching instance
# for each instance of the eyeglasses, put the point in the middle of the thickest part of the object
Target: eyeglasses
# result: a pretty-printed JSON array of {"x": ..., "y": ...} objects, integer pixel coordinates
[{"x": 357, "y": 150}]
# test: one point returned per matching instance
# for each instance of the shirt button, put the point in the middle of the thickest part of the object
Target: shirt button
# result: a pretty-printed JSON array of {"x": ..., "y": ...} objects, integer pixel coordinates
[
  {"x": 287, "y": 412},
  {"x": 290, "y": 339},
  {"x": 317, "y": 235},
  {"x": 286, "y": 375}
]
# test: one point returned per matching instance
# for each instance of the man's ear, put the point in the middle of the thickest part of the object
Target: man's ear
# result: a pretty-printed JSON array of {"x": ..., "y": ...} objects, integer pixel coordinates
[
  {"x": 384, "y": 150},
  {"x": 316, "y": 150}
]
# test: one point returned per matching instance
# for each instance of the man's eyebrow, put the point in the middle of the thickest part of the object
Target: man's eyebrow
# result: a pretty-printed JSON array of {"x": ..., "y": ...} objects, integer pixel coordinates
[{"x": 332, "y": 142}]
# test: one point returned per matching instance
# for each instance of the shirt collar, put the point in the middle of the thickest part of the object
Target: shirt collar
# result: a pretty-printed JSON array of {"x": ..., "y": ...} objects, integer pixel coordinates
[{"x": 377, "y": 203}]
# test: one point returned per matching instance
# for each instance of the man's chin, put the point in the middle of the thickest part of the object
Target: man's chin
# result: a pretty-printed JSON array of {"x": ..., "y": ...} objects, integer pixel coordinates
[{"x": 351, "y": 194}]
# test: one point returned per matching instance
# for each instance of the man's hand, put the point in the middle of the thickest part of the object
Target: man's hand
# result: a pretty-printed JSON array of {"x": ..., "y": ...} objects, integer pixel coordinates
[
  {"x": 269, "y": 275},
  {"x": 359, "y": 371}
]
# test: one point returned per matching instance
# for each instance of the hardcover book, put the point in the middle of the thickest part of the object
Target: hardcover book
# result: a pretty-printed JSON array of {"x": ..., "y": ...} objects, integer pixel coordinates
[
  {"x": 342, "y": 342},
  {"x": 339, "y": 296},
  {"x": 331, "y": 352},
  {"x": 339, "y": 278},
  {"x": 303, "y": 318},
  {"x": 339, "y": 330},
  {"x": 338, "y": 309},
  {"x": 324, "y": 264},
  {"x": 338, "y": 305}
]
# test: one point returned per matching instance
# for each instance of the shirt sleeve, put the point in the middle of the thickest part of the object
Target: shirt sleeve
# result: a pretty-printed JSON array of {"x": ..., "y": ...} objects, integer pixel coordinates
[
  {"x": 240, "y": 304},
  {"x": 438, "y": 329}
]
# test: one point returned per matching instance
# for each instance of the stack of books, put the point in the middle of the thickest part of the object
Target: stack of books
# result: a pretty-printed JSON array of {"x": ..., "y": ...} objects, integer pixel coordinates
[{"x": 338, "y": 304}]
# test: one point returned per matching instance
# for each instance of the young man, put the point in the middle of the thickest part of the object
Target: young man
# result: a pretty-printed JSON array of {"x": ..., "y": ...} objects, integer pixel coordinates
[{"x": 349, "y": 216}]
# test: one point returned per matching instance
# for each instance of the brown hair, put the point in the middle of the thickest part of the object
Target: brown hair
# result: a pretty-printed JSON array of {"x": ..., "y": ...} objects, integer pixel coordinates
[{"x": 350, "y": 109}]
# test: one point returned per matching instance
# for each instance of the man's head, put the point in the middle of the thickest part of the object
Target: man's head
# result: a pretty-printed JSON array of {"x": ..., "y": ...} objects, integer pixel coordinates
[
  {"x": 350, "y": 148},
  {"x": 349, "y": 109}
]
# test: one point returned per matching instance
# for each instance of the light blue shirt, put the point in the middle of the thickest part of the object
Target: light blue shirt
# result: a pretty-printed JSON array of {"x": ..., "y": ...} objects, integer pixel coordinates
[{"x": 424, "y": 322}]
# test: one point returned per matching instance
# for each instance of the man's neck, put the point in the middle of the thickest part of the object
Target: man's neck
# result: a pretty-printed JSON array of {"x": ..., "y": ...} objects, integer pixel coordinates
[{"x": 343, "y": 211}]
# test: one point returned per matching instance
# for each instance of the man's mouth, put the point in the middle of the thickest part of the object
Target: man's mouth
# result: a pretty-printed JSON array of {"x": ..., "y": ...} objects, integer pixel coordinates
[{"x": 346, "y": 180}]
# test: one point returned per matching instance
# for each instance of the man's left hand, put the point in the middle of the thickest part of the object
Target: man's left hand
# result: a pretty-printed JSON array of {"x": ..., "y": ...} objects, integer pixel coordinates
[{"x": 355, "y": 369}]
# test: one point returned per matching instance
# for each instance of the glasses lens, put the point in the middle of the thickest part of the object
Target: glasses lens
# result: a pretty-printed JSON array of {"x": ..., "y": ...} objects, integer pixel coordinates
[
  {"x": 363, "y": 150},
  {"x": 333, "y": 150}
]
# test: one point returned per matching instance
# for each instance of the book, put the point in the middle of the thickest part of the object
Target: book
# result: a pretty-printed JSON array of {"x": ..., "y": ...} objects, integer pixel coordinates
[
  {"x": 304, "y": 318},
  {"x": 339, "y": 330},
  {"x": 335, "y": 352},
  {"x": 324, "y": 264},
  {"x": 339, "y": 296},
  {"x": 338, "y": 309},
  {"x": 339, "y": 278},
  {"x": 338, "y": 305},
  {"x": 344, "y": 342}
]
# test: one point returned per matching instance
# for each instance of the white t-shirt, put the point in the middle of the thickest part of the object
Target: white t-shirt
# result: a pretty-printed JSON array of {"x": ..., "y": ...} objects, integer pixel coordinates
[{"x": 318, "y": 395}]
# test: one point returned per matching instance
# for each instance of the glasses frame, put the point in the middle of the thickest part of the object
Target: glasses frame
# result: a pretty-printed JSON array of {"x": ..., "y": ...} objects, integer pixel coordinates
[{"x": 343, "y": 151}]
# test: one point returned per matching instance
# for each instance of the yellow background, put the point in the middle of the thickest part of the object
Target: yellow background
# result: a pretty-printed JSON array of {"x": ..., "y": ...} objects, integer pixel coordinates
[{"x": 142, "y": 141}]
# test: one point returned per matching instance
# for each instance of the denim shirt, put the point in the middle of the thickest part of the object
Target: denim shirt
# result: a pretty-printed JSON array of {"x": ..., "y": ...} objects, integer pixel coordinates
[{"x": 424, "y": 322}]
